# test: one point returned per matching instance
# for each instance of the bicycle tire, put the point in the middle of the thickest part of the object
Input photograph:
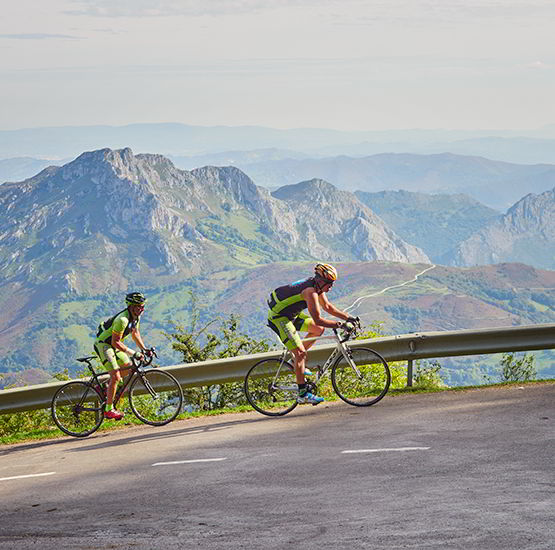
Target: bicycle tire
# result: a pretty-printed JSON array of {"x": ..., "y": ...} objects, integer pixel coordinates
[
  {"x": 262, "y": 393},
  {"x": 366, "y": 389},
  {"x": 78, "y": 409},
  {"x": 159, "y": 409}
]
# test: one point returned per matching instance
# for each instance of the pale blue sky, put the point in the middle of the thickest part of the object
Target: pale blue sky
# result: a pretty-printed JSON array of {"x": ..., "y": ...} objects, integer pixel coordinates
[{"x": 350, "y": 64}]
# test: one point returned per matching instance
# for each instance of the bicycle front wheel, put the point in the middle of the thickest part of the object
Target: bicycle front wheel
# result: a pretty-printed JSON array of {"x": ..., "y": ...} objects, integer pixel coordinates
[
  {"x": 362, "y": 381},
  {"x": 155, "y": 397},
  {"x": 270, "y": 388},
  {"x": 77, "y": 409}
]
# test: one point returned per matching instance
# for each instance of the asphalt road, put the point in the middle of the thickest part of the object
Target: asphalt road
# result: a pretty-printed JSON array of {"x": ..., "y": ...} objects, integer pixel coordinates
[{"x": 458, "y": 470}]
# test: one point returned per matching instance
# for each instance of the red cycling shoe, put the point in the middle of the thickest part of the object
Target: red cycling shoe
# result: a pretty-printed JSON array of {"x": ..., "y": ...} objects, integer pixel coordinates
[{"x": 113, "y": 414}]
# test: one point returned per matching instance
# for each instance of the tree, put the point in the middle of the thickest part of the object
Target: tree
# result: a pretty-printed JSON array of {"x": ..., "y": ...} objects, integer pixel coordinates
[{"x": 200, "y": 342}]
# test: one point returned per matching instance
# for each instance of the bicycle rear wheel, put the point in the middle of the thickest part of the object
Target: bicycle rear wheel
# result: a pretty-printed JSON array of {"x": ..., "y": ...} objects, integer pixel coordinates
[
  {"x": 364, "y": 385},
  {"x": 271, "y": 390},
  {"x": 155, "y": 397},
  {"x": 77, "y": 409}
]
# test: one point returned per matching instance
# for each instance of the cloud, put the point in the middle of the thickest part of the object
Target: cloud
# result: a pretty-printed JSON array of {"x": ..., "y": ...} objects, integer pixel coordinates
[
  {"x": 540, "y": 65},
  {"x": 437, "y": 9},
  {"x": 39, "y": 36},
  {"x": 147, "y": 8}
]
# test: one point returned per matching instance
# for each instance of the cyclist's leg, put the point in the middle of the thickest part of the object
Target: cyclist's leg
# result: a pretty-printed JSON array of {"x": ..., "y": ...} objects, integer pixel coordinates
[
  {"x": 287, "y": 332},
  {"x": 117, "y": 363},
  {"x": 305, "y": 323},
  {"x": 290, "y": 338}
]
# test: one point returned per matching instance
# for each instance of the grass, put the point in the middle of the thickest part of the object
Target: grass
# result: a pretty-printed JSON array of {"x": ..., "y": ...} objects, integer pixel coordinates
[
  {"x": 416, "y": 389},
  {"x": 84, "y": 308},
  {"x": 79, "y": 333},
  {"x": 50, "y": 432}
]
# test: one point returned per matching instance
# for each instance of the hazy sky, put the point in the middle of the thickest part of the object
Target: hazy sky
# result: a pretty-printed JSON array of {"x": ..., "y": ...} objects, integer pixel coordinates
[{"x": 346, "y": 64}]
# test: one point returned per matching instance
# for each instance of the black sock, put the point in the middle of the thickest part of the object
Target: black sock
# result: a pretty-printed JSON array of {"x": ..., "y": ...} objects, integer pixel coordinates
[{"x": 302, "y": 389}]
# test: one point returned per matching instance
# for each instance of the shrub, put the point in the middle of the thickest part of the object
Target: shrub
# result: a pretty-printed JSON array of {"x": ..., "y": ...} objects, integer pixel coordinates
[
  {"x": 426, "y": 375},
  {"x": 517, "y": 369}
]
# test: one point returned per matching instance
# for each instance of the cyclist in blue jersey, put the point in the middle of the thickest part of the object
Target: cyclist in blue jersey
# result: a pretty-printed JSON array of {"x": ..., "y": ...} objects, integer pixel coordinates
[{"x": 286, "y": 317}]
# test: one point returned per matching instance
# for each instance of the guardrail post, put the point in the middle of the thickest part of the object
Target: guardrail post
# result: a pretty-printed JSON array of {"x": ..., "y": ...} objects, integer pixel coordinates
[{"x": 409, "y": 373}]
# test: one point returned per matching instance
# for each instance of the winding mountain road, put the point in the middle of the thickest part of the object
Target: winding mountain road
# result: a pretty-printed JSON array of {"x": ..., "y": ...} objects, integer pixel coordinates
[{"x": 358, "y": 301}]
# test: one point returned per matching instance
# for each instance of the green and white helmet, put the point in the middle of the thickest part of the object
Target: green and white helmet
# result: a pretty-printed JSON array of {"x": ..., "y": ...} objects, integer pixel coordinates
[{"x": 135, "y": 299}]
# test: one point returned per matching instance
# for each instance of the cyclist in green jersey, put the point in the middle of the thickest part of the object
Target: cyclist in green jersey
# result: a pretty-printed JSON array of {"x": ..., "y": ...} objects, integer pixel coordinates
[
  {"x": 286, "y": 317},
  {"x": 113, "y": 352}
]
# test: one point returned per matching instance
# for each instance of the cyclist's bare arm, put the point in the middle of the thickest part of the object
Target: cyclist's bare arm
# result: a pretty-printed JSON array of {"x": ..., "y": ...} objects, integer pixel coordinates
[
  {"x": 136, "y": 335},
  {"x": 328, "y": 307},
  {"x": 313, "y": 304},
  {"x": 118, "y": 343}
]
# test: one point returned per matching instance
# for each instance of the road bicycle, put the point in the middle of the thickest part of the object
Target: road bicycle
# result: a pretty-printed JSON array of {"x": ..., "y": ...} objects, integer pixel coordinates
[
  {"x": 359, "y": 376},
  {"x": 154, "y": 396}
]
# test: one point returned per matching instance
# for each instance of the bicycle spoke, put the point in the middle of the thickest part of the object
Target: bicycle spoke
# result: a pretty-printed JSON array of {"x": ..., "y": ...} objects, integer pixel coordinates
[
  {"x": 155, "y": 397},
  {"x": 364, "y": 381},
  {"x": 270, "y": 389},
  {"x": 77, "y": 409}
]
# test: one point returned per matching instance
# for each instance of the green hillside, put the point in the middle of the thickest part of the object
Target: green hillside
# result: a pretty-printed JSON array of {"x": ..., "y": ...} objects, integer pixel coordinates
[{"x": 441, "y": 299}]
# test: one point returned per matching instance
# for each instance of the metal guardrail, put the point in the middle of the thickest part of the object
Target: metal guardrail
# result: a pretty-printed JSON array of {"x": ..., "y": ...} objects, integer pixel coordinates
[{"x": 406, "y": 347}]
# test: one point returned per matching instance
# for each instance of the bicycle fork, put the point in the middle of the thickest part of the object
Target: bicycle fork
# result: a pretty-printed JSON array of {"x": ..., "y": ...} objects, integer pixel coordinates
[
  {"x": 346, "y": 352},
  {"x": 148, "y": 386}
]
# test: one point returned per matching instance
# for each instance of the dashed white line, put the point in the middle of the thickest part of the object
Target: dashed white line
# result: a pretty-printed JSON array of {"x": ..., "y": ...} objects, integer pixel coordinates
[
  {"x": 386, "y": 450},
  {"x": 189, "y": 461},
  {"x": 28, "y": 475}
]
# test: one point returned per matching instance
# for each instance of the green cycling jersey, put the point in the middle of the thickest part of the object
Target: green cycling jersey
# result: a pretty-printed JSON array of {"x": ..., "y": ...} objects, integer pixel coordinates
[{"x": 121, "y": 323}]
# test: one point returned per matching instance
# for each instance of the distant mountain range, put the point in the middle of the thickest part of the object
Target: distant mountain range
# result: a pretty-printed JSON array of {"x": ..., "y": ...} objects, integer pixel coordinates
[
  {"x": 524, "y": 146},
  {"x": 75, "y": 238},
  {"x": 495, "y": 184},
  {"x": 150, "y": 221},
  {"x": 21, "y": 168},
  {"x": 457, "y": 230},
  {"x": 141, "y": 219},
  {"x": 518, "y": 150}
]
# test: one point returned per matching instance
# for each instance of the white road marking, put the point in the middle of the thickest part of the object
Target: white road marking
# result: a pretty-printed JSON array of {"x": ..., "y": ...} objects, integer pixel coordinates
[
  {"x": 385, "y": 450},
  {"x": 28, "y": 475},
  {"x": 189, "y": 461}
]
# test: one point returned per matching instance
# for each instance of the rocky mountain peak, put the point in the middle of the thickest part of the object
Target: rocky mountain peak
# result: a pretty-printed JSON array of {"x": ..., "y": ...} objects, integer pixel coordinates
[
  {"x": 110, "y": 217},
  {"x": 533, "y": 213},
  {"x": 329, "y": 213},
  {"x": 310, "y": 188},
  {"x": 227, "y": 180},
  {"x": 526, "y": 233}
]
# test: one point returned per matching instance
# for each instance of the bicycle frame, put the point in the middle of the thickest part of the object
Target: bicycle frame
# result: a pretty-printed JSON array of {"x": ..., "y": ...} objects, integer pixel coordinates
[
  {"x": 341, "y": 348},
  {"x": 137, "y": 370}
]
